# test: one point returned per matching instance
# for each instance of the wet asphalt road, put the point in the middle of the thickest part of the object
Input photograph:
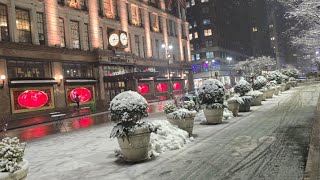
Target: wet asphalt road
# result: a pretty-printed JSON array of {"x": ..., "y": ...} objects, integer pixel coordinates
[{"x": 270, "y": 143}]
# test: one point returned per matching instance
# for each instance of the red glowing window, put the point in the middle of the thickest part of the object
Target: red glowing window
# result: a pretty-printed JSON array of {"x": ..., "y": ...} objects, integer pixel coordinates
[
  {"x": 162, "y": 87},
  {"x": 176, "y": 86},
  {"x": 83, "y": 93},
  {"x": 143, "y": 88},
  {"x": 33, "y": 99}
]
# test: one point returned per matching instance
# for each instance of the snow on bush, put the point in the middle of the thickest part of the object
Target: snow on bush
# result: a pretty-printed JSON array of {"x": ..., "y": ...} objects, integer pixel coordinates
[
  {"x": 126, "y": 109},
  {"x": 246, "y": 99},
  {"x": 11, "y": 154},
  {"x": 169, "y": 108},
  {"x": 168, "y": 137},
  {"x": 291, "y": 72},
  {"x": 254, "y": 94},
  {"x": 237, "y": 98},
  {"x": 211, "y": 93},
  {"x": 260, "y": 82},
  {"x": 242, "y": 87},
  {"x": 292, "y": 79},
  {"x": 277, "y": 76},
  {"x": 181, "y": 114},
  {"x": 190, "y": 105}
]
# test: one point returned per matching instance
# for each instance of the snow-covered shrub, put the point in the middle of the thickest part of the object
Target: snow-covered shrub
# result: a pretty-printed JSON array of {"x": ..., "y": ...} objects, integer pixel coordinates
[
  {"x": 292, "y": 79},
  {"x": 190, "y": 105},
  {"x": 246, "y": 99},
  {"x": 182, "y": 114},
  {"x": 11, "y": 154},
  {"x": 291, "y": 72},
  {"x": 126, "y": 109},
  {"x": 254, "y": 94},
  {"x": 242, "y": 87},
  {"x": 169, "y": 108},
  {"x": 276, "y": 76},
  {"x": 285, "y": 78},
  {"x": 259, "y": 83},
  {"x": 211, "y": 93},
  {"x": 237, "y": 98}
]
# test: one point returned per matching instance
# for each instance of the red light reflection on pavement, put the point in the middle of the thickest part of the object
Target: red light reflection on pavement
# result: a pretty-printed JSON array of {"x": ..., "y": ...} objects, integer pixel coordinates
[
  {"x": 84, "y": 94},
  {"x": 34, "y": 132},
  {"x": 33, "y": 99},
  {"x": 83, "y": 123}
]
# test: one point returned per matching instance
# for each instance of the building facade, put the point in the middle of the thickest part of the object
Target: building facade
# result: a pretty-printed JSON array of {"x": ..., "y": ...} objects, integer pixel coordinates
[{"x": 54, "y": 50}]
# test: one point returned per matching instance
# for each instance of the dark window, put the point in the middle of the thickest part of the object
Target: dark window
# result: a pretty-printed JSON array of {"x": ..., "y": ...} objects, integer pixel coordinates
[
  {"x": 75, "y": 35},
  {"x": 101, "y": 38},
  {"x": 4, "y": 32},
  {"x": 157, "y": 49},
  {"x": 61, "y": 2},
  {"x": 86, "y": 37},
  {"x": 206, "y": 21},
  {"x": 81, "y": 70},
  {"x": 23, "y": 26},
  {"x": 137, "y": 44},
  {"x": 40, "y": 25},
  {"x": 28, "y": 69},
  {"x": 61, "y": 31},
  {"x": 144, "y": 46},
  {"x": 83, "y": 4}
]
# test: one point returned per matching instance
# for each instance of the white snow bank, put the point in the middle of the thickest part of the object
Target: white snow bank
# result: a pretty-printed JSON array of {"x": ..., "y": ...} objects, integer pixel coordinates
[
  {"x": 200, "y": 117},
  {"x": 168, "y": 137}
]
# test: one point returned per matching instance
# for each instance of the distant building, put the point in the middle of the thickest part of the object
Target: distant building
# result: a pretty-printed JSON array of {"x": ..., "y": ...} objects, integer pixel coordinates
[{"x": 224, "y": 32}]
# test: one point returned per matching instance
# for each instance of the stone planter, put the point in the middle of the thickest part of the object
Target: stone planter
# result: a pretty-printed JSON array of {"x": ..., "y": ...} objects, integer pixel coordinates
[
  {"x": 21, "y": 174},
  {"x": 288, "y": 86},
  {"x": 245, "y": 107},
  {"x": 276, "y": 92},
  {"x": 184, "y": 124},
  {"x": 264, "y": 95},
  {"x": 137, "y": 148},
  {"x": 214, "y": 116},
  {"x": 256, "y": 101},
  {"x": 269, "y": 93},
  {"x": 233, "y": 106}
]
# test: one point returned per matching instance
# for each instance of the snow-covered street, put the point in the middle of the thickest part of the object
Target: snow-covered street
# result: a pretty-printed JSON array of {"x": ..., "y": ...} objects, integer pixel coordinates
[{"x": 270, "y": 142}]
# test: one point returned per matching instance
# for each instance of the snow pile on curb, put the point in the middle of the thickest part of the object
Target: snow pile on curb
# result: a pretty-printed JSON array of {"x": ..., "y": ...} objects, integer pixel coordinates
[
  {"x": 200, "y": 117},
  {"x": 168, "y": 137}
]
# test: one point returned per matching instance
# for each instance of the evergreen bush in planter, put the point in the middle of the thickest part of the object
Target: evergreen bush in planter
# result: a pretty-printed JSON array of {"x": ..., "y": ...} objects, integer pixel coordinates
[
  {"x": 259, "y": 83},
  {"x": 127, "y": 109},
  {"x": 211, "y": 94},
  {"x": 183, "y": 118},
  {"x": 169, "y": 108},
  {"x": 12, "y": 164},
  {"x": 242, "y": 88}
]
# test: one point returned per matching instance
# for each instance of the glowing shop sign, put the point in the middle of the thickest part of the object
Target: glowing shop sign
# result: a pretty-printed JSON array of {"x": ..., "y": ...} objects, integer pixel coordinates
[
  {"x": 32, "y": 99},
  {"x": 83, "y": 93}
]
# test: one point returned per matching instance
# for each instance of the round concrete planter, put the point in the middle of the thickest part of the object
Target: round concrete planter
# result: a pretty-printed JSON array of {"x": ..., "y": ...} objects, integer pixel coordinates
[
  {"x": 283, "y": 87},
  {"x": 21, "y": 174},
  {"x": 264, "y": 95},
  {"x": 288, "y": 86},
  {"x": 233, "y": 106},
  {"x": 136, "y": 147},
  {"x": 214, "y": 116},
  {"x": 276, "y": 92},
  {"x": 269, "y": 93},
  {"x": 245, "y": 107},
  {"x": 256, "y": 101},
  {"x": 184, "y": 124}
]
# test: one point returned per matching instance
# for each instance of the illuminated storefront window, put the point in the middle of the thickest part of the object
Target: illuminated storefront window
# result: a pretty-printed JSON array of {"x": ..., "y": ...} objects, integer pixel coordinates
[
  {"x": 162, "y": 87},
  {"x": 78, "y": 70},
  {"x": 28, "y": 69},
  {"x": 143, "y": 88}
]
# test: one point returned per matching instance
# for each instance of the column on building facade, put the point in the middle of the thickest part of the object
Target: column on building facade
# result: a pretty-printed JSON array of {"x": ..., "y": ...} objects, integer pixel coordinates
[
  {"x": 94, "y": 23},
  {"x": 124, "y": 19},
  {"x": 52, "y": 22},
  {"x": 180, "y": 40},
  {"x": 12, "y": 21},
  {"x": 186, "y": 27},
  {"x": 34, "y": 29},
  {"x": 164, "y": 23},
  {"x": 5, "y": 98},
  {"x": 147, "y": 25},
  {"x": 59, "y": 95},
  {"x": 101, "y": 84}
]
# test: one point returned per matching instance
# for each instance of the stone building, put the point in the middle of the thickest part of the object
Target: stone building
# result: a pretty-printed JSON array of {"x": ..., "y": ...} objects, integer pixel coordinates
[{"x": 54, "y": 50}]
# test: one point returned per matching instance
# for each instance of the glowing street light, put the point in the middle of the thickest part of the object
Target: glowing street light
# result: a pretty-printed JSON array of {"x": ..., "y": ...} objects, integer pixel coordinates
[{"x": 170, "y": 46}]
